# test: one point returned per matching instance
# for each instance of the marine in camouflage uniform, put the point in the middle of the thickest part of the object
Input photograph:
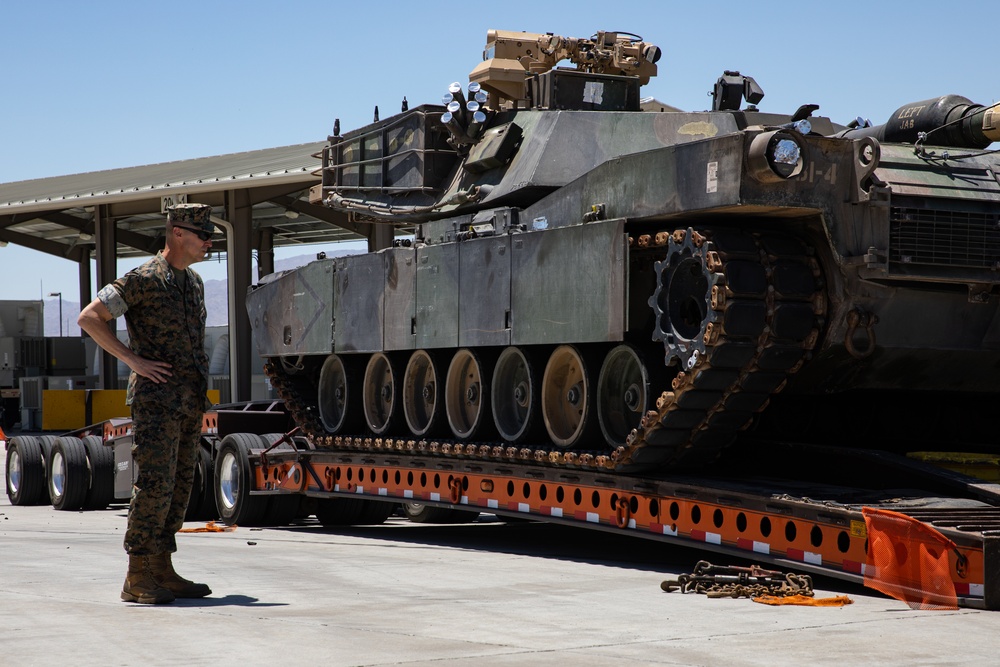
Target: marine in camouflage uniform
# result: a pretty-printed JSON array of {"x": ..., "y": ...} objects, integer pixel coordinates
[{"x": 163, "y": 302}]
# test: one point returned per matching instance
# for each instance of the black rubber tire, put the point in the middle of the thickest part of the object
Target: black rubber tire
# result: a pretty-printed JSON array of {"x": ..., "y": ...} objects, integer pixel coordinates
[
  {"x": 281, "y": 510},
  {"x": 232, "y": 481},
  {"x": 101, "y": 460},
  {"x": 338, "y": 511},
  {"x": 375, "y": 512},
  {"x": 26, "y": 465},
  {"x": 202, "y": 505},
  {"x": 69, "y": 479},
  {"x": 46, "y": 442},
  {"x": 353, "y": 511},
  {"x": 421, "y": 513}
]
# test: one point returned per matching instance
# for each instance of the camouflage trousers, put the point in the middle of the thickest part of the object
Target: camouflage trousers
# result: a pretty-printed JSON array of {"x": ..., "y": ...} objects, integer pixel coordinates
[{"x": 165, "y": 446}]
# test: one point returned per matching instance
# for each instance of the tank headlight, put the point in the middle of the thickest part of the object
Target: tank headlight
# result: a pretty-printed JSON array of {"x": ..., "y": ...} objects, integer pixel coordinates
[
  {"x": 803, "y": 126},
  {"x": 775, "y": 156}
]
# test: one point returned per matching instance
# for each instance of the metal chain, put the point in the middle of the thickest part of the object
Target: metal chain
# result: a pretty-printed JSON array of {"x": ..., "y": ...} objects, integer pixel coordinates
[{"x": 730, "y": 581}]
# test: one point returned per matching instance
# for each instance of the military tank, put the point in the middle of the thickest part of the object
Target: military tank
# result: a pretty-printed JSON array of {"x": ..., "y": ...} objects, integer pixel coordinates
[{"x": 595, "y": 279}]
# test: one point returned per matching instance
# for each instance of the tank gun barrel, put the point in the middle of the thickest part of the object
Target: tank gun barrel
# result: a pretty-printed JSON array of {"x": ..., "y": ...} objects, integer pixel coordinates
[
  {"x": 511, "y": 57},
  {"x": 950, "y": 120}
]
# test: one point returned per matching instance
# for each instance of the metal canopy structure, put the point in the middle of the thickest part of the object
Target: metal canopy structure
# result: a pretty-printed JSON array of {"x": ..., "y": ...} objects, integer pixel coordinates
[{"x": 259, "y": 199}]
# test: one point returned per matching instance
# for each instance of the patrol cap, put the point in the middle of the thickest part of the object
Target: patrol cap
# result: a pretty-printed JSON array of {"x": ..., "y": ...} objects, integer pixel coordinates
[{"x": 197, "y": 216}]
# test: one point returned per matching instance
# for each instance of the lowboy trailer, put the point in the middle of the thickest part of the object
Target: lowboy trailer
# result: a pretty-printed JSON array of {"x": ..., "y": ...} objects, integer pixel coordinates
[{"x": 772, "y": 508}]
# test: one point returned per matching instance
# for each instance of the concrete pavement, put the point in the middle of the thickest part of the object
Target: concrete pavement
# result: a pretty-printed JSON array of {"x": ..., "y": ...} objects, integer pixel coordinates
[{"x": 489, "y": 593}]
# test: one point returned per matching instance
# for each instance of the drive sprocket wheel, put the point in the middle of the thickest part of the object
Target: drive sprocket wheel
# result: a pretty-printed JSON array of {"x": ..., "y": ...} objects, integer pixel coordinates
[{"x": 685, "y": 282}]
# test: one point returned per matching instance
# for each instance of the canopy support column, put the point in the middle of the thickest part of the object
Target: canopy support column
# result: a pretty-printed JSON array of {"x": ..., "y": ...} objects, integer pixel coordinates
[
  {"x": 239, "y": 215},
  {"x": 107, "y": 271}
]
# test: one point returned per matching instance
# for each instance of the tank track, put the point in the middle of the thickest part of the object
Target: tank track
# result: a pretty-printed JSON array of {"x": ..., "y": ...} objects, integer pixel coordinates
[{"x": 763, "y": 316}]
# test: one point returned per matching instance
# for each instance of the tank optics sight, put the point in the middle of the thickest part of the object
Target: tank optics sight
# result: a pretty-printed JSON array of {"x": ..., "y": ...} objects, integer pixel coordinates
[{"x": 732, "y": 88}]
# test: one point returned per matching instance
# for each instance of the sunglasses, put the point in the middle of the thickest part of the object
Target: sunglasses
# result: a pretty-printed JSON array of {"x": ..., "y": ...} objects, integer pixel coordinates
[{"x": 201, "y": 233}]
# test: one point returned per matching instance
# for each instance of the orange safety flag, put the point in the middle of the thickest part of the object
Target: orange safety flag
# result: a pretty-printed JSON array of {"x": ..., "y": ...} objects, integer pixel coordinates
[{"x": 908, "y": 560}]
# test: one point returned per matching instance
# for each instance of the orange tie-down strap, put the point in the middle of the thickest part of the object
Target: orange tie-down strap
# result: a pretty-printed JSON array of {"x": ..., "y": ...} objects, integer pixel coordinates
[
  {"x": 210, "y": 527},
  {"x": 804, "y": 600},
  {"x": 908, "y": 560}
]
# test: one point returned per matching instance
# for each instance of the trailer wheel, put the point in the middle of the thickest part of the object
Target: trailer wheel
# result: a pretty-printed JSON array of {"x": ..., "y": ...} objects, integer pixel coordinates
[
  {"x": 101, "y": 460},
  {"x": 68, "y": 477},
  {"x": 202, "y": 506},
  {"x": 375, "y": 512},
  {"x": 46, "y": 442},
  {"x": 281, "y": 510},
  {"x": 338, "y": 511},
  {"x": 421, "y": 513},
  {"x": 232, "y": 480},
  {"x": 25, "y": 471},
  {"x": 353, "y": 511}
]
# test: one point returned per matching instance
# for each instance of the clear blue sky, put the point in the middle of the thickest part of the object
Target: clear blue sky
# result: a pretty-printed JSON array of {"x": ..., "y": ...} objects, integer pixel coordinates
[{"x": 105, "y": 84}]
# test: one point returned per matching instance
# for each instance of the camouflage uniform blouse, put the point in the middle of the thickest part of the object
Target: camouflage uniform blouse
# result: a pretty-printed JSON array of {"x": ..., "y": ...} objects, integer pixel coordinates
[{"x": 164, "y": 324}]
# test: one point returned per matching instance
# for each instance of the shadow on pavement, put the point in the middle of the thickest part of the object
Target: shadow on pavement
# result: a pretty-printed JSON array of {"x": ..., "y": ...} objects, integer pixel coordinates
[{"x": 226, "y": 601}]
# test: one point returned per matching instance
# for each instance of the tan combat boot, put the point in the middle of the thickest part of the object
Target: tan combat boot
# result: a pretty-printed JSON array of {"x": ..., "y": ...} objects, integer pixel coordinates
[
  {"x": 140, "y": 586},
  {"x": 163, "y": 572}
]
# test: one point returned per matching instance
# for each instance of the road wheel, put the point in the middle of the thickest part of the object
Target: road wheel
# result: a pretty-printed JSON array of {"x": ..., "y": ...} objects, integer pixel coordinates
[
  {"x": 25, "y": 471},
  {"x": 423, "y": 394},
  {"x": 568, "y": 398},
  {"x": 339, "y": 395},
  {"x": 232, "y": 480},
  {"x": 624, "y": 393},
  {"x": 515, "y": 396},
  {"x": 467, "y": 395},
  {"x": 68, "y": 475},
  {"x": 101, "y": 460},
  {"x": 380, "y": 394}
]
